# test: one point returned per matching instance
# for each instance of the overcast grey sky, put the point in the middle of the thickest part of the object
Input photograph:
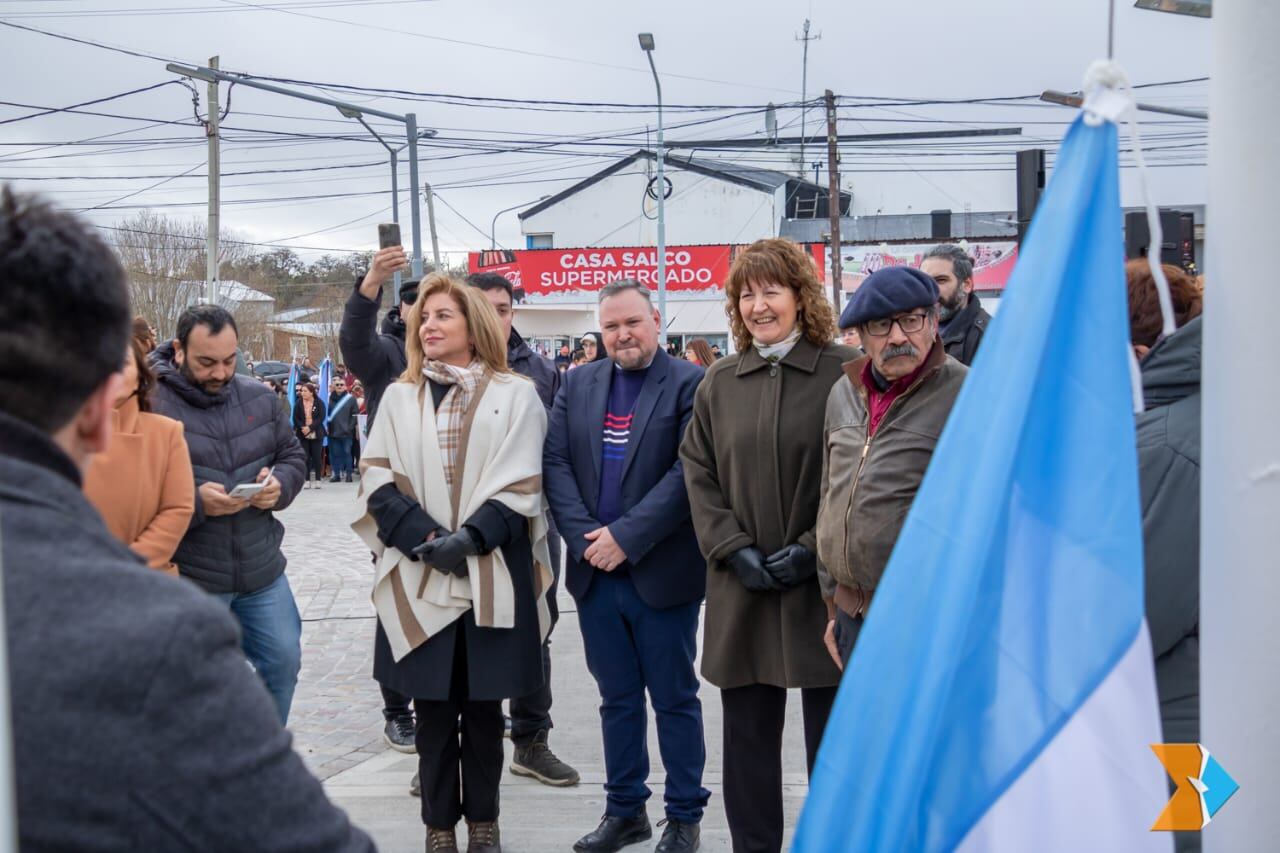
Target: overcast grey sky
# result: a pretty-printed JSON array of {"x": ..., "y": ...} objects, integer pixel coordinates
[{"x": 709, "y": 53}]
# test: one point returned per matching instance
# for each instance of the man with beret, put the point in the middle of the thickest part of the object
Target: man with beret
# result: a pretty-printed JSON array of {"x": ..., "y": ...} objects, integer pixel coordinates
[{"x": 883, "y": 421}]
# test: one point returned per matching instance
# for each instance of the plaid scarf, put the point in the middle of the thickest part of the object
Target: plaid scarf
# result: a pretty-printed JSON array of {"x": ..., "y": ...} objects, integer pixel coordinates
[{"x": 453, "y": 408}]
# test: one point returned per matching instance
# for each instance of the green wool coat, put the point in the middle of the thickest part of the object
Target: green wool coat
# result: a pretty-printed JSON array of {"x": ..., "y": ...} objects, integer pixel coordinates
[{"x": 752, "y": 459}]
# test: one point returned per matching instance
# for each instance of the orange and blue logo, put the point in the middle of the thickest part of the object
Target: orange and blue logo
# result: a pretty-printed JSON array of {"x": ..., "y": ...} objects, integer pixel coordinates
[{"x": 1203, "y": 786}]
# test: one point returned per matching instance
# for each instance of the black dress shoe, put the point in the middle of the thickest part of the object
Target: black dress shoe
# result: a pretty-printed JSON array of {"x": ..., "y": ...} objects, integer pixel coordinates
[
  {"x": 678, "y": 837},
  {"x": 614, "y": 833}
]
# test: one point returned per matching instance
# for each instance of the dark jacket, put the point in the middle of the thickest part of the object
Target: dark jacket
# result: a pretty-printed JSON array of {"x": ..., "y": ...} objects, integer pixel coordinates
[
  {"x": 964, "y": 332},
  {"x": 376, "y": 359},
  {"x": 343, "y": 419},
  {"x": 1169, "y": 476},
  {"x": 753, "y": 464},
  {"x": 870, "y": 482},
  {"x": 318, "y": 413},
  {"x": 501, "y": 663},
  {"x": 655, "y": 530},
  {"x": 134, "y": 685},
  {"x": 232, "y": 436},
  {"x": 528, "y": 363}
]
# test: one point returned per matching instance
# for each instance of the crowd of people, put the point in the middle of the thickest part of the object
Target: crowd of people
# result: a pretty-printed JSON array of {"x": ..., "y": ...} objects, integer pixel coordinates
[{"x": 139, "y": 486}]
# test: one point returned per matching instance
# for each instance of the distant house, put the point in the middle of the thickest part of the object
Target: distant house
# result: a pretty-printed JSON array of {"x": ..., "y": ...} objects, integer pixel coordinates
[{"x": 708, "y": 201}]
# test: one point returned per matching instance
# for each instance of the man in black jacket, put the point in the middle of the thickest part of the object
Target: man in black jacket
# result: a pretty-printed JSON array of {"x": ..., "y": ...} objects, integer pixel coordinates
[
  {"x": 377, "y": 360},
  {"x": 237, "y": 434},
  {"x": 531, "y": 715},
  {"x": 136, "y": 724},
  {"x": 341, "y": 422},
  {"x": 962, "y": 321}
]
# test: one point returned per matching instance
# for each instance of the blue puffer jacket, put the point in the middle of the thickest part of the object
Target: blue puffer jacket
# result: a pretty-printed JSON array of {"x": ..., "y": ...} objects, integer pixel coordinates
[{"x": 232, "y": 436}]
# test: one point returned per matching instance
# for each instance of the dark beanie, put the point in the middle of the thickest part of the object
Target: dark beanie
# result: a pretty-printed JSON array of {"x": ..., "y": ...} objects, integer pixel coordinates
[{"x": 889, "y": 291}]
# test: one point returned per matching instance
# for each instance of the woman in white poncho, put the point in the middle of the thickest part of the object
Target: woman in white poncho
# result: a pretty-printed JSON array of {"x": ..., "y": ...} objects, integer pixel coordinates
[{"x": 451, "y": 503}]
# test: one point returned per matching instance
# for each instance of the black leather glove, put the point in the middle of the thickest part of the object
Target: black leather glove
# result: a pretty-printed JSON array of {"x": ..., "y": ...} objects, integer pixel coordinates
[
  {"x": 449, "y": 553},
  {"x": 792, "y": 566},
  {"x": 748, "y": 563}
]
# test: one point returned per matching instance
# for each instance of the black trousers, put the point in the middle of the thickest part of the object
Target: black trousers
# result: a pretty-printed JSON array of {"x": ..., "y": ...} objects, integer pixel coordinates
[
  {"x": 531, "y": 715},
  {"x": 754, "y": 716},
  {"x": 460, "y": 765},
  {"x": 314, "y": 448}
]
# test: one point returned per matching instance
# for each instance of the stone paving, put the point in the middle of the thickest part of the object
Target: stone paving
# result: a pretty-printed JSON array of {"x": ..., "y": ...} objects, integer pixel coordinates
[{"x": 337, "y": 723}]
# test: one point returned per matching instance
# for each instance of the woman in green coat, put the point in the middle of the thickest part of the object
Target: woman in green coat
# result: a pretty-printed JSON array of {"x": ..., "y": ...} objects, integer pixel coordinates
[{"x": 752, "y": 459}]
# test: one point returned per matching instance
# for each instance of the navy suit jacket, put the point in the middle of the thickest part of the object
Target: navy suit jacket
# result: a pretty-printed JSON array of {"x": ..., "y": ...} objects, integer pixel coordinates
[{"x": 655, "y": 530}]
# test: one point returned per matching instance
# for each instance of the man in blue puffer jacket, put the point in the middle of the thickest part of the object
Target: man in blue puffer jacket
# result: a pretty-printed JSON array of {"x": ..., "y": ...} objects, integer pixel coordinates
[{"x": 237, "y": 433}]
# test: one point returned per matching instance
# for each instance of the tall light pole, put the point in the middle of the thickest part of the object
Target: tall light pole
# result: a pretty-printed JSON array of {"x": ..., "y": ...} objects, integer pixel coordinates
[
  {"x": 493, "y": 225},
  {"x": 646, "y": 44}
]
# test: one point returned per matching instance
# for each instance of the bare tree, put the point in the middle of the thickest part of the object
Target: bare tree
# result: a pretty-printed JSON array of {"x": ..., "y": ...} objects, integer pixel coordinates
[{"x": 165, "y": 261}]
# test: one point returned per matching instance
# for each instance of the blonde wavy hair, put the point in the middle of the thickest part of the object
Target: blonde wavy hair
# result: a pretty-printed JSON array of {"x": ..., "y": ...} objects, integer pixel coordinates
[
  {"x": 483, "y": 327},
  {"x": 778, "y": 260}
]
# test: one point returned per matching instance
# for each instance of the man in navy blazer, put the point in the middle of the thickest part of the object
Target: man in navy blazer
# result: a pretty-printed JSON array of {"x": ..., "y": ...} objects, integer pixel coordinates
[{"x": 612, "y": 473}]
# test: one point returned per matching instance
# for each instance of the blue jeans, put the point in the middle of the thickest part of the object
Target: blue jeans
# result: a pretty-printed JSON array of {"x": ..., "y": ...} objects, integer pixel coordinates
[
  {"x": 271, "y": 636},
  {"x": 631, "y": 646},
  {"x": 340, "y": 455}
]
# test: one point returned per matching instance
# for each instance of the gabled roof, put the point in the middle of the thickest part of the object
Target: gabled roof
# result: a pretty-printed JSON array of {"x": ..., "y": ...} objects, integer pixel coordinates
[
  {"x": 231, "y": 292},
  {"x": 764, "y": 180}
]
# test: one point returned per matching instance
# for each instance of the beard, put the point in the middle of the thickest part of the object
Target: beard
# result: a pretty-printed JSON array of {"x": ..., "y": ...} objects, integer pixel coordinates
[
  {"x": 948, "y": 308},
  {"x": 211, "y": 388}
]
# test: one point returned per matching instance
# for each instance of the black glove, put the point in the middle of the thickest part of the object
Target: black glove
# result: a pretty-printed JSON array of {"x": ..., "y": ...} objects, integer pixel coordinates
[
  {"x": 792, "y": 566},
  {"x": 415, "y": 553},
  {"x": 449, "y": 553},
  {"x": 748, "y": 563}
]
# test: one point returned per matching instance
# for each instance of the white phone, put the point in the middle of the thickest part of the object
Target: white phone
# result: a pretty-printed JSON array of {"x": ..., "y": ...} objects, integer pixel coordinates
[{"x": 245, "y": 491}]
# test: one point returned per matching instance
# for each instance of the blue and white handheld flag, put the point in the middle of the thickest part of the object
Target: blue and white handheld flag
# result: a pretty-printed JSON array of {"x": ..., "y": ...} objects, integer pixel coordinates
[
  {"x": 292, "y": 389},
  {"x": 1001, "y": 695},
  {"x": 323, "y": 383}
]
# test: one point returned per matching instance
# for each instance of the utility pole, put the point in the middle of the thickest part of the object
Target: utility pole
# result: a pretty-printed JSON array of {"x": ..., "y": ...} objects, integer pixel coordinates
[
  {"x": 215, "y": 201},
  {"x": 833, "y": 200},
  {"x": 431, "y": 225},
  {"x": 804, "y": 88}
]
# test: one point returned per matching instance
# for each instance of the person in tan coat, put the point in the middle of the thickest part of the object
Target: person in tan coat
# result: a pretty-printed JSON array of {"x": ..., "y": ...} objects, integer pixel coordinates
[
  {"x": 143, "y": 485},
  {"x": 752, "y": 459}
]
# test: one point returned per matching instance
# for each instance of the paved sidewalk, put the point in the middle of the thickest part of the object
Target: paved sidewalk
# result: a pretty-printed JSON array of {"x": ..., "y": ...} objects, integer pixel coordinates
[{"x": 337, "y": 723}]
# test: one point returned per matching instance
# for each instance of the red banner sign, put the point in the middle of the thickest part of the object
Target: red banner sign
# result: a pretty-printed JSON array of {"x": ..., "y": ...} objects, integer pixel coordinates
[{"x": 575, "y": 275}]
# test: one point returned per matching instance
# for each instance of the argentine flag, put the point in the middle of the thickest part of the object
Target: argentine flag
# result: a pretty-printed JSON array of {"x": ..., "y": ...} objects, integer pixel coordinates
[{"x": 1002, "y": 695}]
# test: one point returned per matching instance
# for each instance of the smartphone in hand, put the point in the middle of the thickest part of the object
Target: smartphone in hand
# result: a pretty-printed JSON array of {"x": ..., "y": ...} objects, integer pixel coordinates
[{"x": 388, "y": 234}]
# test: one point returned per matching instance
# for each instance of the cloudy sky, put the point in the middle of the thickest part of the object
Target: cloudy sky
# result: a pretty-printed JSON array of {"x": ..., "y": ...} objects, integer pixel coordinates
[{"x": 146, "y": 150}]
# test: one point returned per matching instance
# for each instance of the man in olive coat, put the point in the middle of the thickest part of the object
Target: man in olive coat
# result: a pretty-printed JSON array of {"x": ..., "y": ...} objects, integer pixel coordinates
[{"x": 883, "y": 422}]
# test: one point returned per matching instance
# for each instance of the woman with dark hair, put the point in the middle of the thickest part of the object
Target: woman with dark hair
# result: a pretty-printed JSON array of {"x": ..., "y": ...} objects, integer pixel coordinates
[
  {"x": 143, "y": 485},
  {"x": 451, "y": 504},
  {"x": 308, "y": 425},
  {"x": 752, "y": 457},
  {"x": 591, "y": 347},
  {"x": 699, "y": 352}
]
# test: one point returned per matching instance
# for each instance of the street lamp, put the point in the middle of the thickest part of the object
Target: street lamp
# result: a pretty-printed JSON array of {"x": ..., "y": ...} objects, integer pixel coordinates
[
  {"x": 493, "y": 242},
  {"x": 646, "y": 44}
]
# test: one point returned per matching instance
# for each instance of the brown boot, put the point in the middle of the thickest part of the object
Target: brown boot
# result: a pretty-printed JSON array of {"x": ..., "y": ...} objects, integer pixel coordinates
[
  {"x": 483, "y": 837},
  {"x": 441, "y": 840}
]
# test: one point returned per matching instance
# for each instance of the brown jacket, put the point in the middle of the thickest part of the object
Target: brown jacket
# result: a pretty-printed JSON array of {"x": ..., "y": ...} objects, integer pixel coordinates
[
  {"x": 143, "y": 485},
  {"x": 753, "y": 465},
  {"x": 868, "y": 485}
]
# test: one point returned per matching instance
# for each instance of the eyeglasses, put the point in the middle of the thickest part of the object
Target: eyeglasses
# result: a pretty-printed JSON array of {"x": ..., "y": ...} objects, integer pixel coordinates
[{"x": 908, "y": 323}]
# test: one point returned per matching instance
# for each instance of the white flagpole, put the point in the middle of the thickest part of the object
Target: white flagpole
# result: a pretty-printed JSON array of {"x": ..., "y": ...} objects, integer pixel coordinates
[
  {"x": 8, "y": 791},
  {"x": 1240, "y": 471}
]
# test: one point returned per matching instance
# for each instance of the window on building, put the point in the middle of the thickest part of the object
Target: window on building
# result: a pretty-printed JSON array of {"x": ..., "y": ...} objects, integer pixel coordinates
[{"x": 539, "y": 241}]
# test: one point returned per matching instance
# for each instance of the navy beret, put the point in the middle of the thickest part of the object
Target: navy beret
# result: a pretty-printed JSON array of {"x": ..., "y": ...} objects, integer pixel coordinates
[{"x": 889, "y": 291}]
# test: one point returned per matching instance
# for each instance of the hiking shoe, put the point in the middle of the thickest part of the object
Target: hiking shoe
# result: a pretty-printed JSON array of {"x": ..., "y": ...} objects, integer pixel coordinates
[
  {"x": 539, "y": 762},
  {"x": 415, "y": 787},
  {"x": 399, "y": 732},
  {"x": 441, "y": 840},
  {"x": 483, "y": 837}
]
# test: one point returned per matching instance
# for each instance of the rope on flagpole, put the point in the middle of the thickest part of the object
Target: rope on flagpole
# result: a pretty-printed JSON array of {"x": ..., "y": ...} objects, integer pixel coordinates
[{"x": 1109, "y": 97}]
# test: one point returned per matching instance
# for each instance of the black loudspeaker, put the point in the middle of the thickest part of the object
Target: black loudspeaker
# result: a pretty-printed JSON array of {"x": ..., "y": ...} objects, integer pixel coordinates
[
  {"x": 1178, "y": 245},
  {"x": 940, "y": 224},
  {"x": 1031, "y": 179}
]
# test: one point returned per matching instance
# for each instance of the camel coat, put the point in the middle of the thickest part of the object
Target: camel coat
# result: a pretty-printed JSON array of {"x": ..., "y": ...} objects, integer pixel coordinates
[{"x": 143, "y": 485}]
